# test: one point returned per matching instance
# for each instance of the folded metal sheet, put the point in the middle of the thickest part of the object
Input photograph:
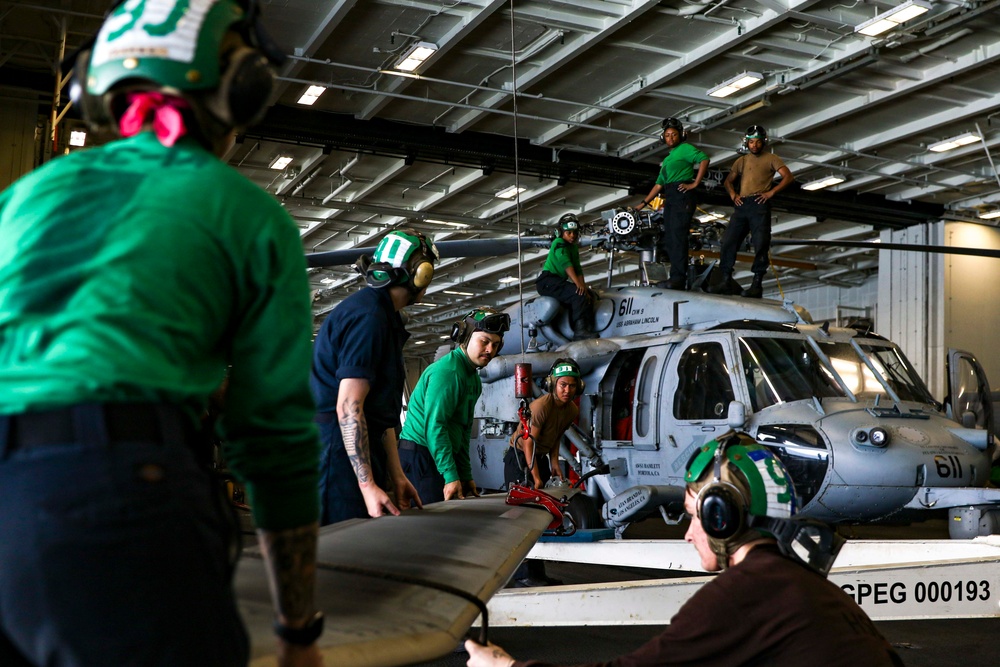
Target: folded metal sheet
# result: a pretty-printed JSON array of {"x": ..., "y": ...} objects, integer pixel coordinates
[{"x": 473, "y": 545}]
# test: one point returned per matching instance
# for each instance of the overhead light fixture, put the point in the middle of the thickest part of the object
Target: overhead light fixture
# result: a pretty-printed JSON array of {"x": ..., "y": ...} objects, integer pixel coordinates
[
  {"x": 509, "y": 193},
  {"x": 311, "y": 95},
  {"x": 990, "y": 215},
  {"x": 886, "y": 21},
  {"x": 77, "y": 138},
  {"x": 459, "y": 225},
  {"x": 506, "y": 280},
  {"x": 825, "y": 182},
  {"x": 419, "y": 342},
  {"x": 736, "y": 84},
  {"x": 458, "y": 293},
  {"x": 414, "y": 56},
  {"x": 280, "y": 162},
  {"x": 954, "y": 142}
]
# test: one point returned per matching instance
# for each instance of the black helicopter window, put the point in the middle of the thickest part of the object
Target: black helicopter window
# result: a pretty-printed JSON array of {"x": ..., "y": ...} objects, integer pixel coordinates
[
  {"x": 779, "y": 370},
  {"x": 704, "y": 387}
]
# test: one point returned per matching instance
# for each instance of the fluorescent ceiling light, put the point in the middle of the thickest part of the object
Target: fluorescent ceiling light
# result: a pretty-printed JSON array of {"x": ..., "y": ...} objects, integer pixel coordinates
[
  {"x": 280, "y": 162},
  {"x": 327, "y": 281},
  {"x": 886, "y": 21},
  {"x": 459, "y": 225},
  {"x": 506, "y": 280},
  {"x": 736, "y": 84},
  {"x": 77, "y": 138},
  {"x": 419, "y": 342},
  {"x": 990, "y": 215},
  {"x": 825, "y": 182},
  {"x": 444, "y": 337},
  {"x": 311, "y": 95},
  {"x": 510, "y": 193},
  {"x": 954, "y": 142},
  {"x": 415, "y": 56},
  {"x": 458, "y": 293}
]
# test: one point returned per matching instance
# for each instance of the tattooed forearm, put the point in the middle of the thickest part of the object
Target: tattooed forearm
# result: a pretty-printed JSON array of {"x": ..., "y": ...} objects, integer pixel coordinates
[
  {"x": 290, "y": 560},
  {"x": 354, "y": 429}
]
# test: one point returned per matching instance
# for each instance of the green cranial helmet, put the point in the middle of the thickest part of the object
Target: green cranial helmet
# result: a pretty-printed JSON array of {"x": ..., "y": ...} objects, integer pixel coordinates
[
  {"x": 402, "y": 257},
  {"x": 564, "y": 368},
  {"x": 173, "y": 43}
]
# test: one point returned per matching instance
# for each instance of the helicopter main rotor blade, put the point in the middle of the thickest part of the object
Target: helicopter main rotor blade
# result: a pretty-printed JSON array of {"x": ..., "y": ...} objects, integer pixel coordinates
[
  {"x": 458, "y": 248},
  {"x": 874, "y": 245}
]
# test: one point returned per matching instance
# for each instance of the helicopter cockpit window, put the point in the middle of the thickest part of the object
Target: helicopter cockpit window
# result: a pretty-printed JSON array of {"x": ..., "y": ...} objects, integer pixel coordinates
[
  {"x": 704, "y": 386},
  {"x": 779, "y": 370},
  {"x": 899, "y": 373}
]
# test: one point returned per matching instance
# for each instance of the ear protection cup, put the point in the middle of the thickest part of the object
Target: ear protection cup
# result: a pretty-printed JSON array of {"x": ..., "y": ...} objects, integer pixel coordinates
[
  {"x": 721, "y": 505},
  {"x": 244, "y": 88},
  {"x": 458, "y": 330},
  {"x": 423, "y": 275}
]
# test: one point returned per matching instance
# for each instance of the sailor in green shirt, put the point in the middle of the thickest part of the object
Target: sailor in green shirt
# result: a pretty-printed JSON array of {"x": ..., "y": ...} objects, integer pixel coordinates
[
  {"x": 562, "y": 278},
  {"x": 131, "y": 275},
  {"x": 434, "y": 444},
  {"x": 681, "y": 172}
]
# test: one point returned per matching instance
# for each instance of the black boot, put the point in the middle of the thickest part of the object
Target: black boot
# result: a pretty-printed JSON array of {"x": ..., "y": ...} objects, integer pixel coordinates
[
  {"x": 582, "y": 330},
  {"x": 726, "y": 286},
  {"x": 756, "y": 289}
]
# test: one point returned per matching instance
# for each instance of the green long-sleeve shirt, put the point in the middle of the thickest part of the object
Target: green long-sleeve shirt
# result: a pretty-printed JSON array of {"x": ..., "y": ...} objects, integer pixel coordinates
[
  {"x": 440, "y": 411},
  {"x": 562, "y": 255},
  {"x": 136, "y": 273}
]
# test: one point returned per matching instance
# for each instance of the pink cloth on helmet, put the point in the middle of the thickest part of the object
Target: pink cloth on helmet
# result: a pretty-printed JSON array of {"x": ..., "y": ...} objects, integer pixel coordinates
[{"x": 164, "y": 110}]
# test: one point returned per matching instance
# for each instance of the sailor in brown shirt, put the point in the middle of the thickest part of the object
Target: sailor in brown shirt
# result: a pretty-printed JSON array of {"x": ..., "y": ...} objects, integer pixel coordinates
[
  {"x": 771, "y": 604},
  {"x": 756, "y": 172},
  {"x": 533, "y": 460}
]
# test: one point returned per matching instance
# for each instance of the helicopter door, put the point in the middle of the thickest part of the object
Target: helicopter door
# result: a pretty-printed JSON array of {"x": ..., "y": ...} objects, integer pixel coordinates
[
  {"x": 969, "y": 392},
  {"x": 700, "y": 389},
  {"x": 645, "y": 415}
]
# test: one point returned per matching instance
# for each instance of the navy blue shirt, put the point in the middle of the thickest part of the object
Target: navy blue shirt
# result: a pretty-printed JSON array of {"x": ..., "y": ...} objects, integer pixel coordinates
[{"x": 362, "y": 338}]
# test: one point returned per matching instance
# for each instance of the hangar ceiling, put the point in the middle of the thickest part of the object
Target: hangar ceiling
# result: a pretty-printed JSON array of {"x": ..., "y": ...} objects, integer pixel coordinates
[{"x": 576, "y": 90}]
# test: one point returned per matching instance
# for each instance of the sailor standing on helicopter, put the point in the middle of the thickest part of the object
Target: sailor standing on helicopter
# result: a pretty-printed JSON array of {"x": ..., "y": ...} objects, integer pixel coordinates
[
  {"x": 562, "y": 278},
  {"x": 752, "y": 215},
  {"x": 681, "y": 172}
]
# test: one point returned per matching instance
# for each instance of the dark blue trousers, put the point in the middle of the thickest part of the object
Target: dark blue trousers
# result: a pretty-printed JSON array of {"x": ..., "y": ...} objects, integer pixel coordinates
[
  {"x": 114, "y": 554},
  {"x": 755, "y": 219},
  {"x": 581, "y": 311},
  {"x": 678, "y": 208},
  {"x": 420, "y": 469},
  {"x": 339, "y": 494}
]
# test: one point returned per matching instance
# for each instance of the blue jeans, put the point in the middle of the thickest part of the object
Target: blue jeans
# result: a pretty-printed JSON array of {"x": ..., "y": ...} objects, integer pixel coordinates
[{"x": 115, "y": 554}]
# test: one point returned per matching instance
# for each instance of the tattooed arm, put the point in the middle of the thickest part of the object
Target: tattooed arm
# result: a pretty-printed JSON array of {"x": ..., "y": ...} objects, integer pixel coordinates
[
  {"x": 353, "y": 427},
  {"x": 290, "y": 561}
]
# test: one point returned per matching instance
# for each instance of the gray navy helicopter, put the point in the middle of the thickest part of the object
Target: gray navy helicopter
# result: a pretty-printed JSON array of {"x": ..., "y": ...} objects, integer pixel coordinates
[{"x": 843, "y": 408}]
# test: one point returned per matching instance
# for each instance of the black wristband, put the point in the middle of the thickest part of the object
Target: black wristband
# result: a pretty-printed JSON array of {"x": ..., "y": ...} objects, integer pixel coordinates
[{"x": 304, "y": 636}]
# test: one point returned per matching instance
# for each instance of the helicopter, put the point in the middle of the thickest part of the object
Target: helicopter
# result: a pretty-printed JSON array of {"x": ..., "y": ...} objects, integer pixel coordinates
[{"x": 842, "y": 407}]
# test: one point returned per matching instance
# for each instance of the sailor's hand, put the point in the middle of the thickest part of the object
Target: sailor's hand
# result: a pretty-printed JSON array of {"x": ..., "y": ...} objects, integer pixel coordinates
[
  {"x": 290, "y": 655},
  {"x": 763, "y": 197},
  {"x": 490, "y": 655},
  {"x": 469, "y": 488},
  {"x": 738, "y": 200},
  {"x": 453, "y": 490},
  {"x": 406, "y": 494},
  {"x": 581, "y": 290},
  {"x": 377, "y": 501}
]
